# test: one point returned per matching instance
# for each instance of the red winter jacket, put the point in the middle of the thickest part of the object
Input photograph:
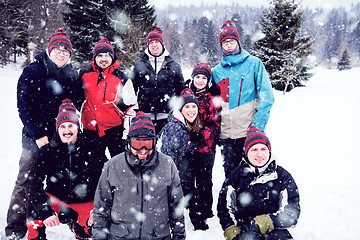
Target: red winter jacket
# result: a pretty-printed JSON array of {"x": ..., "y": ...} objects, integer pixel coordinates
[{"x": 100, "y": 110}]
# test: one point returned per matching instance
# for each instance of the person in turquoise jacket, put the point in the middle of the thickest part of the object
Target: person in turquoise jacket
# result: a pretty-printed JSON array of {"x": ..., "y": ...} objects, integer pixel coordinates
[{"x": 244, "y": 86}]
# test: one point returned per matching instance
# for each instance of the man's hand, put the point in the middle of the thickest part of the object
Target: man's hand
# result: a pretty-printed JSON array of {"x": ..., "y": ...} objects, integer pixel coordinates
[
  {"x": 51, "y": 221},
  {"x": 42, "y": 141}
]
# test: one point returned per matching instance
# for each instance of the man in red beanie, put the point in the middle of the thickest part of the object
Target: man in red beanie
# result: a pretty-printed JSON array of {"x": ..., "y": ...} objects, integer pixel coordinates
[
  {"x": 41, "y": 88},
  {"x": 157, "y": 78},
  {"x": 139, "y": 195},
  {"x": 246, "y": 91},
  {"x": 109, "y": 100},
  {"x": 259, "y": 199},
  {"x": 71, "y": 171}
]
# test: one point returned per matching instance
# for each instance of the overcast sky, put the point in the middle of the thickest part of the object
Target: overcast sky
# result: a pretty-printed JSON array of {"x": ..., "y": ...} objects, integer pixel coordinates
[{"x": 310, "y": 3}]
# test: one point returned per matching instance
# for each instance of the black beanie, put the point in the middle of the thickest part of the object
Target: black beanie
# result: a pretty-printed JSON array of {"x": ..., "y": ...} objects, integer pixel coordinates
[
  {"x": 103, "y": 46},
  {"x": 141, "y": 125},
  {"x": 255, "y": 136},
  {"x": 60, "y": 39},
  {"x": 186, "y": 96},
  {"x": 228, "y": 30},
  {"x": 202, "y": 68},
  {"x": 67, "y": 113}
]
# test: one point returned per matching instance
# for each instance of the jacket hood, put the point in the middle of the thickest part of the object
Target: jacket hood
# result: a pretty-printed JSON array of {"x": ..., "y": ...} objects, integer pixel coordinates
[{"x": 235, "y": 59}]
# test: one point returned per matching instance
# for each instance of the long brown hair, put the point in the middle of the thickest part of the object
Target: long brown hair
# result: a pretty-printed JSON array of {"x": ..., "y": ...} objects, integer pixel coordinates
[{"x": 194, "y": 126}]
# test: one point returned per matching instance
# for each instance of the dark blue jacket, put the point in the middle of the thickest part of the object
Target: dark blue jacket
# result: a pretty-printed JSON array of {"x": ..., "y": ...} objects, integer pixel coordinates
[
  {"x": 249, "y": 192},
  {"x": 174, "y": 138},
  {"x": 41, "y": 88}
]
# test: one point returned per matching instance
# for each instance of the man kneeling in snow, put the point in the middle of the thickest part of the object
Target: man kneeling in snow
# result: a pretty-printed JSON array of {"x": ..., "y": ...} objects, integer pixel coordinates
[
  {"x": 260, "y": 196},
  {"x": 71, "y": 172}
]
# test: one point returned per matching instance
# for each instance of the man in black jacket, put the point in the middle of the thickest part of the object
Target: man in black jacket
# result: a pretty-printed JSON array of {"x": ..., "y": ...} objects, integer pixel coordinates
[
  {"x": 41, "y": 88},
  {"x": 71, "y": 171},
  {"x": 157, "y": 78}
]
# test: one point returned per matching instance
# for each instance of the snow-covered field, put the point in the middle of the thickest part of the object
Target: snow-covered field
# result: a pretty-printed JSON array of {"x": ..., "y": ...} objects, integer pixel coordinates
[{"x": 314, "y": 134}]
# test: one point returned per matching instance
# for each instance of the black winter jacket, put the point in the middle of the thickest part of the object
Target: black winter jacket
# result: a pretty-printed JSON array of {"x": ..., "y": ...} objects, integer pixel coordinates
[
  {"x": 247, "y": 194},
  {"x": 41, "y": 88},
  {"x": 71, "y": 172},
  {"x": 155, "y": 90}
]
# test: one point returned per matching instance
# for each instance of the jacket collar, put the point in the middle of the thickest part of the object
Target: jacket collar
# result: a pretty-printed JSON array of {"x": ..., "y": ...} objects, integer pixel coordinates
[{"x": 235, "y": 59}]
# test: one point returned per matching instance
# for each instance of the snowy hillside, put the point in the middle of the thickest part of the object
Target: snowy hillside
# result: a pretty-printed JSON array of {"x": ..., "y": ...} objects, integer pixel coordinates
[{"x": 314, "y": 134}]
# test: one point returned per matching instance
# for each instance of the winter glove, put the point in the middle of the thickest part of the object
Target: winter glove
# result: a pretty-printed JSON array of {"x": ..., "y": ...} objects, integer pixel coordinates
[
  {"x": 265, "y": 223},
  {"x": 127, "y": 121},
  {"x": 231, "y": 232}
]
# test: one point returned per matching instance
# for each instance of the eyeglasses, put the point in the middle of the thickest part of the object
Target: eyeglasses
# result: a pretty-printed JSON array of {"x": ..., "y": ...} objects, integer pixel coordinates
[
  {"x": 59, "y": 51},
  {"x": 139, "y": 143},
  {"x": 227, "y": 42}
]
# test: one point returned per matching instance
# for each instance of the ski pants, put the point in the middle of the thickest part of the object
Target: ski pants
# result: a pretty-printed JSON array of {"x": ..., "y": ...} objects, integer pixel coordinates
[
  {"x": 75, "y": 215},
  {"x": 196, "y": 180},
  {"x": 16, "y": 215},
  {"x": 232, "y": 151}
]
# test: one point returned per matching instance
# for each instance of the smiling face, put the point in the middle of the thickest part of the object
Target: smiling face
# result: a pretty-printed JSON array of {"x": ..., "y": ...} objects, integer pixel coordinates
[
  {"x": 190, "y": 112},
  {"x": 155, "y": 48},
  {"x": 59, "y": 56},
  {"x": 68, "y": 132},
  {"x": 103, "y": 60},
  {"x": 258, "y": 155},
  {"x": 200, "y": 81}
]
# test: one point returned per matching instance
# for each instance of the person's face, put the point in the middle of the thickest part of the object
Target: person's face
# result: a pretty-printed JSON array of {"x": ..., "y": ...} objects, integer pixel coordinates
[
  {"x": 155, "y": 48},
  {"x": 59, "y": 56},
  {"x": 229, "y": 44},
  {"x": 200, "y": 81},
  {"x": 142, "y": 147},
  {"x": 103, "y": 60},
  {"x": 258, "y": 155},
  {"x": 68, "y": 132},
  {"x": 190, "y": 112}
]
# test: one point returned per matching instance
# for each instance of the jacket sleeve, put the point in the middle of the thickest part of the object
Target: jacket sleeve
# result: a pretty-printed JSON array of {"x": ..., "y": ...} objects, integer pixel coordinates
[
  {"x": 102, "y": 206},
  {"x": 179, "y": 81},
  {"x": 176, "y": 199},
  {"x": 266, "y": 97},
  {"x": 34, "y": 187},
  {"x": 27, "y": 102},
  {"x": 289, "y": 211},
  {"x": 224, "y": 209},
  {"x": 211, "y": 126},
  {"x": 173, "y": 141}
]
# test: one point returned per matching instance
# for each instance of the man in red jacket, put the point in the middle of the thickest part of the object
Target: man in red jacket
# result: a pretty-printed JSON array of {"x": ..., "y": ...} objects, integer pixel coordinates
[{"x": 109, "y": 98}]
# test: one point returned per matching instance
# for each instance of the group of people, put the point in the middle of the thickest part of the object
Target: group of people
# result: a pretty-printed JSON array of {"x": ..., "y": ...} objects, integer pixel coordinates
[{"x": 161, "y": 156}]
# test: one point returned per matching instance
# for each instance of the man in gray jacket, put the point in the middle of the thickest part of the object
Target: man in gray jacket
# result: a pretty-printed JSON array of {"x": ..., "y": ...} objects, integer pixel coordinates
[{"x": 139, "y": 195}]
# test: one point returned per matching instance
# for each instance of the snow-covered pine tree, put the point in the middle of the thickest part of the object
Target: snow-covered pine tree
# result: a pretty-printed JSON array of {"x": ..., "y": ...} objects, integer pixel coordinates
[
  {"x": 13, "y": 30},
  {"x": 282, "y": 50},
  {"x": 209, "y": 44},
  {"x": 176, "y": 48},
  {"x": 124, "y": 23},
  {"x": 344, "y": 62}
]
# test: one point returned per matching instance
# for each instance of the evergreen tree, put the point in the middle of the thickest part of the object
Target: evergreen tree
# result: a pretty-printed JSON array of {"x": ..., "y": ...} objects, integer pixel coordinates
[
  {"x": 176, "y": 48},
  {"x": 124, "y": 23},
  {"x": 13, "y": 30},
  {"x": 344, "y": 63},
  {"x": 208, "y": 40},
  {"x": 282, "y": 51}
]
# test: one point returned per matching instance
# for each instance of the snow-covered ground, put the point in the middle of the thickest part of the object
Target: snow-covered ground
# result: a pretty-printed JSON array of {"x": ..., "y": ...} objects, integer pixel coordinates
[{"x": 314, "y": 135}]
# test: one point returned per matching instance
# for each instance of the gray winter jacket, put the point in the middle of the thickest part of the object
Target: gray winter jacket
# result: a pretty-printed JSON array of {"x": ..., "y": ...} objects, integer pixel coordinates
[{"x": 139, "y": 200}]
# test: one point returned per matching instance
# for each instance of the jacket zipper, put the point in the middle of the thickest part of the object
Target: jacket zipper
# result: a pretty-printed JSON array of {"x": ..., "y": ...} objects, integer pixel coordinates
[
  {"x": 242, "y": 80},
  {"x": 105, "y": 91},
  {"x": 142, "y": 200}
]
